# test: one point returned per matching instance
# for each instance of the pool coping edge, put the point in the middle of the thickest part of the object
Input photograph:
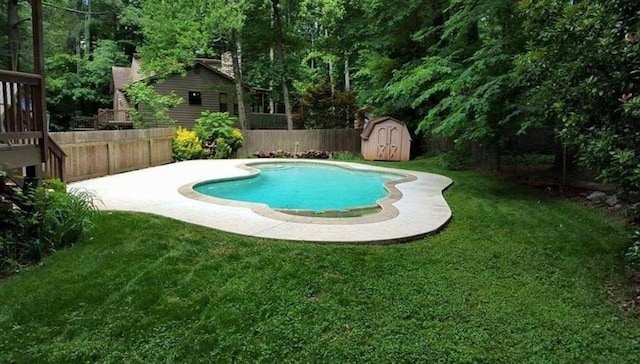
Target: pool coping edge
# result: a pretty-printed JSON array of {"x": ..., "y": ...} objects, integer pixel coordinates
[{"x": 387, "y": 212}]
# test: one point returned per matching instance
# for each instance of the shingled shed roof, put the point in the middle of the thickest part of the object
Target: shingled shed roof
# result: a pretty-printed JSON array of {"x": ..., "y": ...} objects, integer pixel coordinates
[
  {"x": 366, "y": 132},
  {"x": 121, "y": 77}
]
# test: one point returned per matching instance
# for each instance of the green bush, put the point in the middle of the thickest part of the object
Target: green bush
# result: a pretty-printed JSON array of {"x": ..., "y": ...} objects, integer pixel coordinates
[
  {"x": 632, "y": 255},
  {"x": 456, "y": 160},
  {"x": 54, "y": 184},
  {"x": 67, "y": 217},
  {"x": 222, "y": 149},
  {"x": 219, "y": 137},
  {"x": 40, "y": 220},
  {"x": 186, "y": 145},
  {"x": 324, "y": 109},
  {"x": 346, "y": 156}
]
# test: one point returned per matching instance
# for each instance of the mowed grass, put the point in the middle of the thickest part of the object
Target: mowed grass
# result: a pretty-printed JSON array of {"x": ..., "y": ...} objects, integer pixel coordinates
[{"x": 516, "y": 277}]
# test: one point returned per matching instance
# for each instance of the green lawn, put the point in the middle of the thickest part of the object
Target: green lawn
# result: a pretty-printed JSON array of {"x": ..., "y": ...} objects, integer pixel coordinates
[{"x": 515, "y": 277}]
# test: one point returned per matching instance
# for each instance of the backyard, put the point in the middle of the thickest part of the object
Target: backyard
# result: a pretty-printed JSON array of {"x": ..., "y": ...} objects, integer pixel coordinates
[{"x": 516, "y": 276}]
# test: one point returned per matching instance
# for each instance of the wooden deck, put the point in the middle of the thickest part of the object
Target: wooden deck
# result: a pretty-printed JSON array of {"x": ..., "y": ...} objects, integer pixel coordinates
[
  {"x": 24, "y": 135},
  {"x": 17, "y": 156}
]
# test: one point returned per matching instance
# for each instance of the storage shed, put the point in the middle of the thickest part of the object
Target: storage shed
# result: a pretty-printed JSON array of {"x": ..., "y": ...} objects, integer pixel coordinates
[{"x": 386, "y": 139}]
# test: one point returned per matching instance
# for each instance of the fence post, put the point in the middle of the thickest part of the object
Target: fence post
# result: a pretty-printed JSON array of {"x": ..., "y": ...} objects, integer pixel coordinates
[
  {"x": 110, "y": 158},
  {"x": 150, "y": 148}
]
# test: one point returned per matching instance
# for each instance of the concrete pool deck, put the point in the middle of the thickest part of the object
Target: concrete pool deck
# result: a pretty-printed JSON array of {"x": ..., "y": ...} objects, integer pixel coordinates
[{"x": 165, "y": 190}]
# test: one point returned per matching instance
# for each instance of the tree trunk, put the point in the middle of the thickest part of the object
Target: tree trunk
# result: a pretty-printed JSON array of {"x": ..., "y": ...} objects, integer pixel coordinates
[
  {"x": 331, "y": 80},
  {"x": 236, "y": 59},
  {"x": 347, "y": 74},
  {"x": 87, "y": 30},
  {"x": 272, "y": 104},
  {"x": 277, "y": 22},
  {"x": 347, "y": 86},
  {"x": 564, "y": 162},
  {"x": 287, "y": 104},
  {"x": 13, "y": 32}
]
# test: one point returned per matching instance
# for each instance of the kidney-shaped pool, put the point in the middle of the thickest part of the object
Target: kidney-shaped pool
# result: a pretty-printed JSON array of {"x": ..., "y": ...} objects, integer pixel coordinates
[{"x": 305, "y": 187}]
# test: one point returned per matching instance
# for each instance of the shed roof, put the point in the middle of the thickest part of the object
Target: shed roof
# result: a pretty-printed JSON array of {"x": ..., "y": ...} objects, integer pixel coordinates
[{"x": 368, "y": 129}]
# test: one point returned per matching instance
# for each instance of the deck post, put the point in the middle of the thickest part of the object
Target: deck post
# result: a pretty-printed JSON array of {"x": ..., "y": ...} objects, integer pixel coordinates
[
  {"x": 40, "y": 102},
  {"x": 32, "y": 177}
]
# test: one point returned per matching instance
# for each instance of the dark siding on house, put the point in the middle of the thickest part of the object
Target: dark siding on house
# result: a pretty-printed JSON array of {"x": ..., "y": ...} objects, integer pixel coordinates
[{"x": 199, "y": 79}]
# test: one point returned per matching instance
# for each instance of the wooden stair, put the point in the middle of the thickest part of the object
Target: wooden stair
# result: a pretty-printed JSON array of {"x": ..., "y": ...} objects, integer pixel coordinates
[{"x": 12, "y": 192}]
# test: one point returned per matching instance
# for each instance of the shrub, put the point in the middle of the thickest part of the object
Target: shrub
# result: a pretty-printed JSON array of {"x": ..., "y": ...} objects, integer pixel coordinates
[
  {"x": 307, "y": 154},
  {"x": 236, "y": 140},
  {"x": 273, "y": 154},
  {"x": 54, "y": 184},
  {"x": 67, "y": 217},
  {"x": 40, "y": 220},
  {"x": 456, "y": 159},
  {"x": 632, "y": 255},
  {"x": 346, "y": 156},
  {"x": 313, "y": 154},
  {"x": 222, "y": 149},
  {"x": 632, "y": 213},
  {"x": 216, "y": 131},
  {"x": 186, "y": 145},
  {"x": 323, "y": 109}
]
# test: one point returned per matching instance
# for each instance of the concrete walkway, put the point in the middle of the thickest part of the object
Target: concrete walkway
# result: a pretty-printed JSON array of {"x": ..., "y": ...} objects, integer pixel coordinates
[{"x": 415, "y": 209}]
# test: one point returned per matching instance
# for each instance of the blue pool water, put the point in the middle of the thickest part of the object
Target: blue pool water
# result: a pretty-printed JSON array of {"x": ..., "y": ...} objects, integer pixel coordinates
[{"x": 303, "y": 186}]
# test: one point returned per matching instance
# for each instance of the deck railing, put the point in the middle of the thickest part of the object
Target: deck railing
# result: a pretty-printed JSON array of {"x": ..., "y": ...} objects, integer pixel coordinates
[
  {"x": 22, "y": 118},
  {"x": 21, "y": 111},
  {"x": 55, "y": 163},
  {"x": 110, "y": 117},
  {"x": 267, "y": 121}
]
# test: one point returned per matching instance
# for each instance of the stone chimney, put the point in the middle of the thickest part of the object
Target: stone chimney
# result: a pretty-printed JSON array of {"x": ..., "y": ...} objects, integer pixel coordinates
[{"x": 226, "y": 64}]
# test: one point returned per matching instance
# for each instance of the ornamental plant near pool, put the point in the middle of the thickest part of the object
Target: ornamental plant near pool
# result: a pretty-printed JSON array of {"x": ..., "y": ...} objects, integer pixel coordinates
[
  {"x": 186, "y": 145},
  {"x": 38, "y": 221},
  {"x": 217, "y": 133}
]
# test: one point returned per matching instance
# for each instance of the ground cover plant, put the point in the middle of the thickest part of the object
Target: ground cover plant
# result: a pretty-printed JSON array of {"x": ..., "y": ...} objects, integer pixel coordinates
[
  {"x": 515, "y": 277},
  {"x": 38, "y": 221}
]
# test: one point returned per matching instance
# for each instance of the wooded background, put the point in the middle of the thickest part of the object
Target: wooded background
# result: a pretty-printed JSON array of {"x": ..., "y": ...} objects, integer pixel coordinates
[{"x": 464, "y": 70}]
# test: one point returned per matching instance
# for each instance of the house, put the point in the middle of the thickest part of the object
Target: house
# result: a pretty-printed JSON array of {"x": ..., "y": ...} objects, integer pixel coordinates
[
  {"x": 207, "y": 85},
  {"x": 27, "y": 152}
]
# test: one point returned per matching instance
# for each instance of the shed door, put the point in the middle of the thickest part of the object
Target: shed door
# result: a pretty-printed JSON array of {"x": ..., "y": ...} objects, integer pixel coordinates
[{"x": 389, "y": 141}]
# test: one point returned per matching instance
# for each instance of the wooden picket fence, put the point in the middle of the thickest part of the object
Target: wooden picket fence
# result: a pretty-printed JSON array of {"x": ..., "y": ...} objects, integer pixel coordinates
[
  {"x": 332, "y": 140},
  {"x": 93, "y": 154}
]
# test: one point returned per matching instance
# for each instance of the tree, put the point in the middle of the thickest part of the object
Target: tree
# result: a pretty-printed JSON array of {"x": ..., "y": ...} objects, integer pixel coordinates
[
  {"x": 177, "y": 32},
  {"x": 14, "y": 28},
  {"x": 81, "y": 83},
  {"x": 580, "y": 70},
  {"x": 279, "y": 44}
]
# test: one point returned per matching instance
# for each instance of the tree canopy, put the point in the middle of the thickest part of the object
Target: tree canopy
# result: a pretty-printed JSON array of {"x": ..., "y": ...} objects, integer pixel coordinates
[{"x": 471, "y": 71}]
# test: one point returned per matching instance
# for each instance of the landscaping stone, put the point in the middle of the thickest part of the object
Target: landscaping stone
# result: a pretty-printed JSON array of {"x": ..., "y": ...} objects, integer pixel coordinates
[
  {"x": 611, "y": 200},
  {"x": 597, "y": 196}
]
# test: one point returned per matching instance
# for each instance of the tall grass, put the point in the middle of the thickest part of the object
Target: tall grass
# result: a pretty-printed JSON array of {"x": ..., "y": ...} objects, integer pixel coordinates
[
  {"x": 41, "y": 221},
  {"x": 67, "y": 217}
]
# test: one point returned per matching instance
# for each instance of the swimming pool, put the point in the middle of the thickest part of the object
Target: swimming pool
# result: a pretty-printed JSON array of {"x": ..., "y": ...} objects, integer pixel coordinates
[{"x": 305, "y": 187}]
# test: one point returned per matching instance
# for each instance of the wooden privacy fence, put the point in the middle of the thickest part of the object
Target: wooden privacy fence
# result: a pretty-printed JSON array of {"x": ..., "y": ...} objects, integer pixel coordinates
[
  {"x": 332, "y": 140},
  {"x": 93, "y": 154}
]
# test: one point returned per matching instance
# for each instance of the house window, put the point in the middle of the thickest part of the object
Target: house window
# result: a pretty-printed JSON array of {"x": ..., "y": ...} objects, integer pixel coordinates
[
  {"x": 235, "y": 109},
  {"x": 195, "y": 98},
  {"x": 223, "y": 102}
]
